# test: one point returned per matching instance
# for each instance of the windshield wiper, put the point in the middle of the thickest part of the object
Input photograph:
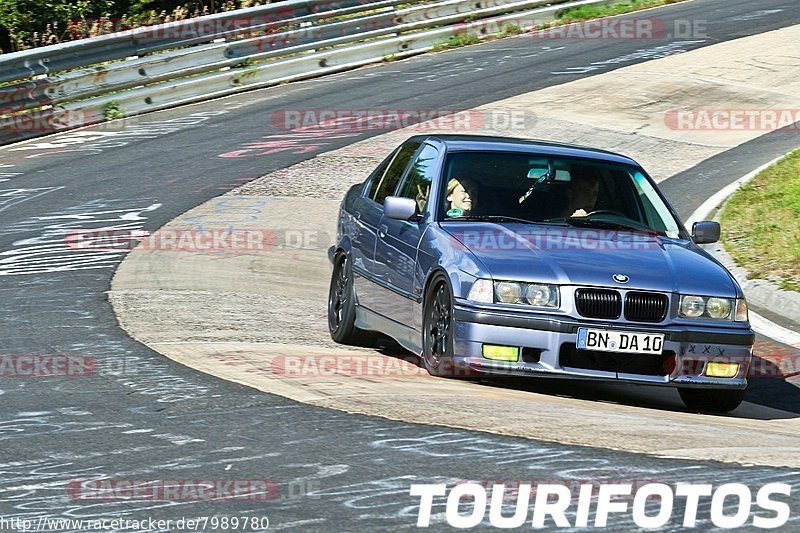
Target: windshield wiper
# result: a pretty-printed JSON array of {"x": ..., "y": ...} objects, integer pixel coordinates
[
  {"x": 590, "y": 222},
  {"x": 505, "y": 218}
]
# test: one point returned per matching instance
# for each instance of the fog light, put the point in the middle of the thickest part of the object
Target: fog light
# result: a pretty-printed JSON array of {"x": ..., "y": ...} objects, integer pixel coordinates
[
  {"x": 501, "y": 353},
  {"x": 721, "y": 370}
]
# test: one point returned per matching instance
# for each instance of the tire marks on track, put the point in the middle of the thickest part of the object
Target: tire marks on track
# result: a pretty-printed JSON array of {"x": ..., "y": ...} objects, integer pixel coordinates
[{"x": 50, "y": 250}]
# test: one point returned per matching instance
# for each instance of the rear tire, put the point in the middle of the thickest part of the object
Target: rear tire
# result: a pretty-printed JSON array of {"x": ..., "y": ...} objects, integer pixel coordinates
[
  {"x": 342, "y": 305},
  {"x": 712, "y": 400}
]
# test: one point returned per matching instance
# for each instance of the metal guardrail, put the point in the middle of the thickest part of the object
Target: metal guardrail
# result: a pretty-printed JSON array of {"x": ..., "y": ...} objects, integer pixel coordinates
[{"x": 156, "y": 67}]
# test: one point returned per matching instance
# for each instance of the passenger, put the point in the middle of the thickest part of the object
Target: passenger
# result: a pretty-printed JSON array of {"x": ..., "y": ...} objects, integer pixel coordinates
[
  {"x": 461, "y": 197},
  {"x": 582, "y": 193},
  {"x": 422, "y": 196}
]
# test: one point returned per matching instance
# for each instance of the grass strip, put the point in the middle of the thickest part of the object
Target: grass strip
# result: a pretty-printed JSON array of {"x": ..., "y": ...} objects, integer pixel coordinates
[
  {"x": 593, "y": 12},
  {"x": 761, "y": 224}
]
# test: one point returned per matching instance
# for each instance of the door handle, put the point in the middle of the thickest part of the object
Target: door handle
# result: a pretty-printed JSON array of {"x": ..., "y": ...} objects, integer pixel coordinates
[{"x": 382, "y": 230}]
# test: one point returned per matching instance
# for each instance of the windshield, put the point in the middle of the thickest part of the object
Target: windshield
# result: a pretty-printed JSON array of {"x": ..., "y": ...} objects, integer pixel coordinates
[{"x": 514, "y": 187}]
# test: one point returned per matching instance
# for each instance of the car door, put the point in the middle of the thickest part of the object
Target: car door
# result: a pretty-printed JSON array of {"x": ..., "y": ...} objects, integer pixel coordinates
[
  {"x": 398, "y": 240},
  {"x": 362, "y": 224},
  {"x": 369, "y": 212}
]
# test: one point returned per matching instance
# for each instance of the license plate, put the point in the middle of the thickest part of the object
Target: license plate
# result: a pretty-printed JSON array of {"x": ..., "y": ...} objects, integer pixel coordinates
[{"x": 620, "y": 341}]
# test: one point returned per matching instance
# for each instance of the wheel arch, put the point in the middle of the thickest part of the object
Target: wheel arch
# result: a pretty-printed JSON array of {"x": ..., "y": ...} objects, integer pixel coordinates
[
  {"x": 437, "y": 273},
  {"x": 343, "y": 246}
]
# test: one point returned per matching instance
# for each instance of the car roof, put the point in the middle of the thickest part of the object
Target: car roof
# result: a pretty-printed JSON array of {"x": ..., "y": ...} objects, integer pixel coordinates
[{"x": 466, "y": 143}]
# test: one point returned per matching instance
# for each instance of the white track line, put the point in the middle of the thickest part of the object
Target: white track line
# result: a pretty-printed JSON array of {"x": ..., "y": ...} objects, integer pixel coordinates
[
  {"x": 758, "y": 322},
  {"x": 774, "y": 331}
]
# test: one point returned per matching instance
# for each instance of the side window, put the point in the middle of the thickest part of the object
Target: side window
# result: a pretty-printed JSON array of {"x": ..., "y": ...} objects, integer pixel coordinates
[
  {"x": 418, "y": 180},
  {"x": 377, "y": 174},
  {"x": 395, "y": 171}
]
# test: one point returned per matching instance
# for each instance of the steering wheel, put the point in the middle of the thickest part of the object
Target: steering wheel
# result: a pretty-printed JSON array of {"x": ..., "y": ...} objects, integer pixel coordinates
[{"x": 606, "y": 211}]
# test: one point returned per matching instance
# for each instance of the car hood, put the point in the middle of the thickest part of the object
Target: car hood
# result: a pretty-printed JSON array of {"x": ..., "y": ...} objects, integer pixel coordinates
[{"x": 583, "y": 256}]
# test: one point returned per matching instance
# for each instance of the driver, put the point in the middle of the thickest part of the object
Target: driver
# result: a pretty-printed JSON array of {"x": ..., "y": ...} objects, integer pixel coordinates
[
  {"x": 461, "y": 197},
  {"x": 582, "y": 193}
]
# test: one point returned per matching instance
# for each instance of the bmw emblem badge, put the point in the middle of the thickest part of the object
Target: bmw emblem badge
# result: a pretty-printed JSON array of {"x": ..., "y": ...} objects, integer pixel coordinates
[{"x": 620, "y": 278}]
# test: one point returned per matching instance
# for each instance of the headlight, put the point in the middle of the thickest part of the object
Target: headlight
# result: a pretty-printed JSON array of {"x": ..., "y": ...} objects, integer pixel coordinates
[
  {"x": 693, "y": 306},
  {"x": 542, "y": 295},
  {"x": 535, "y": 294},
  {"x": 481, "y": 291},
  {"x": 718, "y": 308},
  {"x": 515, "y": 292},
  {"x": 710, "y": 307},
  {"x": 507, "y": 292}
]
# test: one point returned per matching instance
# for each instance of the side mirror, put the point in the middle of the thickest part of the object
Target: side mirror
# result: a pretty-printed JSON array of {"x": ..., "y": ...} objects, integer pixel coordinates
[
  {"x": 705, "y": 232},
  {"x": 400, "y": 208}
]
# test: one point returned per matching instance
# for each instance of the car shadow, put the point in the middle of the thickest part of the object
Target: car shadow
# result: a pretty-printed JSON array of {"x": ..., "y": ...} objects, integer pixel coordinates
[
  {"x": 766, "y": 399},
  {"x": 775, "y": 393},
  {"x": 774, "y": 377},
  {"x": 772, "y": 393}
]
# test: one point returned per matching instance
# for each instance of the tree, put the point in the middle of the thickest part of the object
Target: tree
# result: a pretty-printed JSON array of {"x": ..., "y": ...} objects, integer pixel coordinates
[{"x": 29, "y": 21}]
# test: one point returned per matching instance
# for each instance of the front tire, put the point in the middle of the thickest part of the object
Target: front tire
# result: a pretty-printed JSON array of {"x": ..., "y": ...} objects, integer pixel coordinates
[
  {"x": 437, "y": 330},
  {"x": 712, "y": 400},
  {"x": 342, "y": 305}
]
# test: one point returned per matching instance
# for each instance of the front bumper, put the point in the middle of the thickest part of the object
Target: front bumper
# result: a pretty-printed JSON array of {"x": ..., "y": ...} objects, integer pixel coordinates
[{"x": 547, "y": 343}]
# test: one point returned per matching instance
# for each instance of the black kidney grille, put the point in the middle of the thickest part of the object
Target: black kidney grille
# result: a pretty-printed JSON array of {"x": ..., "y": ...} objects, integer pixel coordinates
[
  {"x": 598, "y": 303},
  {"x": 645, "y": 306}
]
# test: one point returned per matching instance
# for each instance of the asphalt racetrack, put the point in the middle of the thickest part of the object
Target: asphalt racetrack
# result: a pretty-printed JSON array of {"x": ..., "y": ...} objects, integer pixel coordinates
[{"x": 144, "y": 417}]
